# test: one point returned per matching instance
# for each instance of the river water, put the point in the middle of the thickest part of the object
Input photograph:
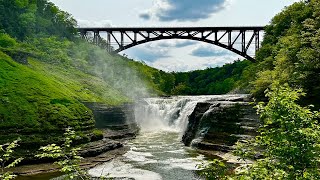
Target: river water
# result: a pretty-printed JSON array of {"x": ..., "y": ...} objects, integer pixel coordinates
[
  {"x": 153, "y": 156},
  {"x": 158, "y": 153}
]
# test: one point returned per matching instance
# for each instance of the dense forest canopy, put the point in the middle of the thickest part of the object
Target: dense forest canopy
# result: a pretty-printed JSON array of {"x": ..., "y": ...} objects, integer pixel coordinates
[
  {"x": 35, "y": 18},
  {"x": 218, "y": 80},
  {"x": 290, "y": 51}
]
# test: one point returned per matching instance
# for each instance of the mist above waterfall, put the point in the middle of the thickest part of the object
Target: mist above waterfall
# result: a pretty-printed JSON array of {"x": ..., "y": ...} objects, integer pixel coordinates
[{"x": 113, "y": 69}]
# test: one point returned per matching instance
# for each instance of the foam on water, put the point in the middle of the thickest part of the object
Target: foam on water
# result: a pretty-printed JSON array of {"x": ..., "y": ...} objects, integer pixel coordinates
[
  {"x": 187, "y": 163},
  {"x": 158, "y": 155},
  {"x": 137, "y": 156},
  {"x": 118, "y": 169}
]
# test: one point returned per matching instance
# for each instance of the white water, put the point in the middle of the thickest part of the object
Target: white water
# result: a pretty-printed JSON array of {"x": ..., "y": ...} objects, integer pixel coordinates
[
  {"x": 157, "y": 153},
  {"x": 171, "y": 114}
]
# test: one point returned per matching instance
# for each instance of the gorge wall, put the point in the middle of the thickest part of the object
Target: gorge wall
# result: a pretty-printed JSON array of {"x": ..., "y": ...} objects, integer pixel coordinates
[{"x": 218, "y": 124}]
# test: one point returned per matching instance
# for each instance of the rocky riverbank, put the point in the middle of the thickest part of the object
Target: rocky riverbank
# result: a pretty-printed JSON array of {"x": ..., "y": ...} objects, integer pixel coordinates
[
  {"x": 94, "y": 153},
  {"x": 117, "y": 124}
]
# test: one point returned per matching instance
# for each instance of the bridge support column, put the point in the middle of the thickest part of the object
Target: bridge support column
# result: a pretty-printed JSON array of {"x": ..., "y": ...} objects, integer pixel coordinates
[
  {"x": 243, "y": 42},
  {"x": 109, "y": 49},
  {"x": 96, "y": 37},
  {"x": 257, "y": 41}
]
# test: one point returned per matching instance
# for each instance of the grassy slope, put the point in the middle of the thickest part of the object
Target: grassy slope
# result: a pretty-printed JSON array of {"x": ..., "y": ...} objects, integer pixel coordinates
[{"x": 42, "y": 98}]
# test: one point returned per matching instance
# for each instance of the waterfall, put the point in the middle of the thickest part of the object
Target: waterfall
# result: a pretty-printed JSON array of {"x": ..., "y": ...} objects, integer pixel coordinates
[
  {"x": 169, "y": 114},
  {"x": 164, "y": 114}
]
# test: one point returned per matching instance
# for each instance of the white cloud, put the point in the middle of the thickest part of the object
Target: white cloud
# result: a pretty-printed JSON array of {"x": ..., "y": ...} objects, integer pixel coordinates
[
  {"x": 178, "y": 43},
  {"x": 149, "y": 52},
  {"x": 183, "y": 10},
  {"x": 156, "y": 50},
  {"x": 208, "y": 50},
  {"x": 87, "y": 23}
]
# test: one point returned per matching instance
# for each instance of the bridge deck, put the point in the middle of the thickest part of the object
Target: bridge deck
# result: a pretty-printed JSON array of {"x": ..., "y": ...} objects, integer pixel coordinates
[{"x": 172, "y": 28}]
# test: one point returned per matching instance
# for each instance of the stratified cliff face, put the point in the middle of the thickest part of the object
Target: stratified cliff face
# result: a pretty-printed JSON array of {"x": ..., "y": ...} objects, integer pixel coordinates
[
  {"x": 218, "y": 124},
  {"x": 117, "y": 124},
  {"x": 113, "y": 117}
]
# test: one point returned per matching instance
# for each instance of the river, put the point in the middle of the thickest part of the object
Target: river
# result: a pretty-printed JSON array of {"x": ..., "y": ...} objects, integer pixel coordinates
[
  {"x": 154, "y": 156},
  {"x": 157, "y": 152}
]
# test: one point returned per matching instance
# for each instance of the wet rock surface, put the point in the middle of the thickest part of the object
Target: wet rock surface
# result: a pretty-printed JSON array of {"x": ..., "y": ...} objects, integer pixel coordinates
[{"x": 218, "y": 124}]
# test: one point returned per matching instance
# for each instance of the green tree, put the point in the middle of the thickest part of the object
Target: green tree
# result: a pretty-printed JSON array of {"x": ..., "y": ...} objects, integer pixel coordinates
[
  {"x": 215, "y": 169},
  {"x": 66, "y": 155},
  {"x": 167, "y": 82},
  {"x": 290, "y": 52},
  {"x": 290, "y": 137},
  {"x": 6, "y": 160},
  {"x": 23, "y": 19}
]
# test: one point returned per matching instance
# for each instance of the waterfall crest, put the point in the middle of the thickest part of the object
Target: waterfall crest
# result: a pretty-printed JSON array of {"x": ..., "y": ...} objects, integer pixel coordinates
[{"x": 171, "y": 113}]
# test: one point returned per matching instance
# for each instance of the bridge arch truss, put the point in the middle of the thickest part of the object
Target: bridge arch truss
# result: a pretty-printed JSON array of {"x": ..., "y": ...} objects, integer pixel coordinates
[{"x": 235, "y": 39}]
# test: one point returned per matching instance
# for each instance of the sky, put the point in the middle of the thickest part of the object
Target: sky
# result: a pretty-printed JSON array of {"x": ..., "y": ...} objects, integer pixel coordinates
[{"x": 175, "y": 55}]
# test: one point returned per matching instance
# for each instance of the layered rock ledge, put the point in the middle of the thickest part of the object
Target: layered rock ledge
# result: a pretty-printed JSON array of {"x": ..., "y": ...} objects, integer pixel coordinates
[{"x": 217, "y": 124}]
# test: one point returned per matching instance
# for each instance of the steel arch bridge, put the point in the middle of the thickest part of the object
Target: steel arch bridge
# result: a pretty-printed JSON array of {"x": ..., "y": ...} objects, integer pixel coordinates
[{"x": 235, "y": 39}]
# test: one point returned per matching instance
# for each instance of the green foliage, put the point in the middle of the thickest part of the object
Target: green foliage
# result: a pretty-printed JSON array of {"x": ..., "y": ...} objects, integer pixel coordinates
[
  {"x": 67, "y": 156},
  {"x": 289, "y": 137},
  {"x": 167, "y": 82},
  {"x": 295, "y": 141},
  {"x": 289, "y": 140},
  {"x": 6, "y": 41},
  {"x": 97, "y": 134},
  {"x": 290, "y": 52},
  {"x": 215, "y": 169},
  {"x": 43, "y": 97},
  {"x": 219, "y": 80},
  {"x": 6, "y": 160},
  {"x": 28, "y": 18}
]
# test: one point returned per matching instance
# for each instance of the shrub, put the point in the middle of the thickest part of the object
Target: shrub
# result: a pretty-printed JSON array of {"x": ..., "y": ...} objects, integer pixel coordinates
[{"x": 7, "y": 41}]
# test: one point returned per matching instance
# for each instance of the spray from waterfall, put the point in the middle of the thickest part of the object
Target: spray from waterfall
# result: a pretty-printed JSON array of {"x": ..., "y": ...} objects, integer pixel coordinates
[{"x": 113, "y": 69}]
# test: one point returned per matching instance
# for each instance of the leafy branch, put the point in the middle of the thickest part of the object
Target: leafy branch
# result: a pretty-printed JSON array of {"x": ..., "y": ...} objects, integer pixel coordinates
[
  {"x": 67, "y": 156},
  {"x": 6, "y": 151}
]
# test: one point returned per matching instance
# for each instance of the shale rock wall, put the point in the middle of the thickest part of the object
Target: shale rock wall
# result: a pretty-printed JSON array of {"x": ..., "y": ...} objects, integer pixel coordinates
[{"x": 218, "y": 124}]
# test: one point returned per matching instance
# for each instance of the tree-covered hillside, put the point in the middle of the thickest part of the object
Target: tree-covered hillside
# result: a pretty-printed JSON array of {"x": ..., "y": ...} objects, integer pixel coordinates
[
  {"x": 24, "y": 19},
  {"x": 290, "y": 52},
  {"x": 219, "y": 80}
]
